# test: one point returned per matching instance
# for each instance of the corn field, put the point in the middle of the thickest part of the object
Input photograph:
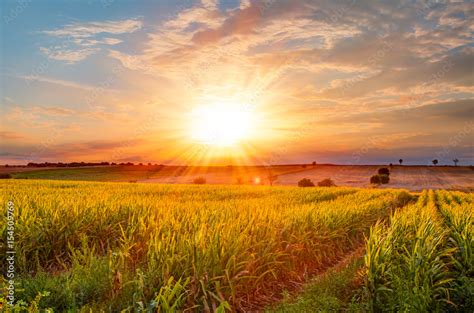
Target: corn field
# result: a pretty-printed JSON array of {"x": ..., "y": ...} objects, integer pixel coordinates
[
  {"x": 110, "y": 247},
  {"x": 422, "y": 260},
  {"x": 142, "y": 247}
]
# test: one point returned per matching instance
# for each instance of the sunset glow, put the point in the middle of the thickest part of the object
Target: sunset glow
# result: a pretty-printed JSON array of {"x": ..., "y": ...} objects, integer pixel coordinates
[
  {"x": 155, "y": 81},
  {"x": 222, "y": 124}
]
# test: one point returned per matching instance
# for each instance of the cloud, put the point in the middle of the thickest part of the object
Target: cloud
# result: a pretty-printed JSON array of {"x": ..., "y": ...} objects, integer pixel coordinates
[
  {"x": 87, "y": 30},
  {"x": 68, "y": 56},
  {"x": 77, "y": 41},
  {"x": 60, "y": 82},
  {"x": 362, "y": 67}
]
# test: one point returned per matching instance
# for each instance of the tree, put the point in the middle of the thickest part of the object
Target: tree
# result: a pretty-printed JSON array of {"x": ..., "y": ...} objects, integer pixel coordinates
[
  {"x": 314, "y": 163},
  {"x": 456, "y": 162},
  {"x": 435, "y": 161},
  {"x": 400, "y": 161}
]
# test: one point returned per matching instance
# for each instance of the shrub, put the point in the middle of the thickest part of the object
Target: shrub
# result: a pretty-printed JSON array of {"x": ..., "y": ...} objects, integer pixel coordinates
[
  {"x": 328, "y": 182},
  {"x": 200, "y": 180},
  {"x": 5, "y": 176},
  {"x": 384, "y": 171},
  {"x": 379, "y": 179},
  {"x": 305, "y": 182},
  {"x": 375, "y": 180},
  {"x": 384, "y": 179}
]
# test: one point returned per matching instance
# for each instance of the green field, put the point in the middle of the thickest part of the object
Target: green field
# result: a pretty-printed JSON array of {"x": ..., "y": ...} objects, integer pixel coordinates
[
  {"x": 84, "y": 246},
  {"x": 145, "y": 172},
  {"x": 103, "y": 173}
]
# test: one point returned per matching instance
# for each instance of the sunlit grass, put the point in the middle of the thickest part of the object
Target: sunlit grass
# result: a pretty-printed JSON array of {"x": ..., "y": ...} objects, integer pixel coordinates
[
  {"x": 137, "y": 246},
  {"x": 422, "y": 261}
]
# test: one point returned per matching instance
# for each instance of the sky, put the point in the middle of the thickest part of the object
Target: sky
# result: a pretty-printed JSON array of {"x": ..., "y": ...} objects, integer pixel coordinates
[{"x": 348, "y": 81}]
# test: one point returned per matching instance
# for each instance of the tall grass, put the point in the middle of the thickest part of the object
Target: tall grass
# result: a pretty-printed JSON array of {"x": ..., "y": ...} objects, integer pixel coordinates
[
  {"x": 457, "y": 210},
  {"x": 416, "y": 263},
  {"x": 106, "y": 246}
]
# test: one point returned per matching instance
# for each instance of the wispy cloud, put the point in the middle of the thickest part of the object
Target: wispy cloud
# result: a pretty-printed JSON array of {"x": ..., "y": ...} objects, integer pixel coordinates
[
  {"x": 68, "y": 56},
  {"x": 77, "y": 41},
  {"x": 87, "y": 30},
  {"x": 60, "y": 82}
]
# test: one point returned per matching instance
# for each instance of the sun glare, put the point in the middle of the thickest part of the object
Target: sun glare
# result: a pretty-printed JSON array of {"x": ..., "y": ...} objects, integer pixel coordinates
[{"x": 221, "y": 125}]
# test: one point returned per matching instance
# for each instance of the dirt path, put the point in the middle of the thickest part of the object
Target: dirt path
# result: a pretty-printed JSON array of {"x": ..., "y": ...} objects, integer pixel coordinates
[{"x": 273, "y": 295}]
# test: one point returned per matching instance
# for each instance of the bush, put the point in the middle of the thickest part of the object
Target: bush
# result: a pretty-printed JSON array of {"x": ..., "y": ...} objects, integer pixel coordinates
[
  {"x": 328, "y": 182},
  {"x": 384, "y": 171},
  {"x": 385, "y": 179},
  {"x": 305, "y": 182},
  {"x": 5, "y": 176},
  {"x": 379, "y": 179},
  {"x": 200, "y": 180},
  {"x": 375, "y": 180}
]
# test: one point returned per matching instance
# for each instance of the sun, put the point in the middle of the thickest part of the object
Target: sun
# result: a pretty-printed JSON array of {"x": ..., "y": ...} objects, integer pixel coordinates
[{"x": 221, "y": 124}]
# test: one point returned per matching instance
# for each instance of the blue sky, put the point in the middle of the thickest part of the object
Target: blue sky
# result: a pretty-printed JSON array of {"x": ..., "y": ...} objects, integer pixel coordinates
[{"x": 332, "y": 81}]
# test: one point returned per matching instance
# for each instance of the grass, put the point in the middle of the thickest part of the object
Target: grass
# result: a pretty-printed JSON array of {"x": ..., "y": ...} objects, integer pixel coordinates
[
  {"x": 102, "y": 173},
  {"x": 330, "y": 292},
  {"x": 120, "y": 246}
]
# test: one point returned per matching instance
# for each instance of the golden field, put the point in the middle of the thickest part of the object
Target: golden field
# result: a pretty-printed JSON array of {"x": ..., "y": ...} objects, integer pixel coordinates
[{"x": 84, "y": 246}]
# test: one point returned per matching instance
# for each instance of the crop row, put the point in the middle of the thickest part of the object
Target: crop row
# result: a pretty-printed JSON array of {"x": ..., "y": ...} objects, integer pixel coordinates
[{"x": 423, "y": 260}]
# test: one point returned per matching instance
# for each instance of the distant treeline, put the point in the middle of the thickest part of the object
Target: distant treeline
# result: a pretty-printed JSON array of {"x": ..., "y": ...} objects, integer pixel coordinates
[
  {"x": 71, "y": 164},
  {"x": 78, "y": 164}
]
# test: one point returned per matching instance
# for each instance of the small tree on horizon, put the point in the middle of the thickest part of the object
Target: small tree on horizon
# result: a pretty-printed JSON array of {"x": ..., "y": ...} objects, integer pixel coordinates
[
  {"x": 456, "y": 161},
  {"x": 435, "y": 162},
  {"x": 400, "y": 161}
]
